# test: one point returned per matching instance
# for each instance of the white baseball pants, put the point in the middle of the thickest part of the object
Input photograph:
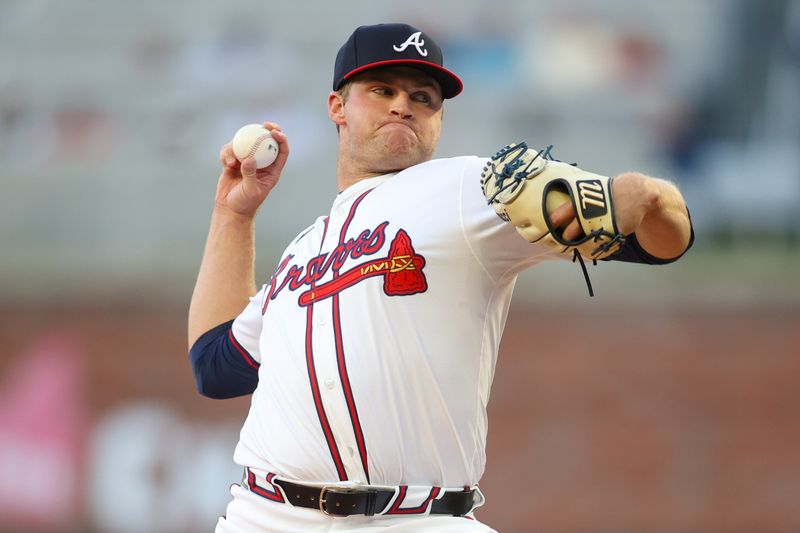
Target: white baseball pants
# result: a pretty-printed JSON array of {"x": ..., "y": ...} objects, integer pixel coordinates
[{"x": 251, "y": 513}]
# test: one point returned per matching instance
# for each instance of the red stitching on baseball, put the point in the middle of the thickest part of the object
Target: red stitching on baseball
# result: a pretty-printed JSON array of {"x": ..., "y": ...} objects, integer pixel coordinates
[{"x": 256, "y": 145}]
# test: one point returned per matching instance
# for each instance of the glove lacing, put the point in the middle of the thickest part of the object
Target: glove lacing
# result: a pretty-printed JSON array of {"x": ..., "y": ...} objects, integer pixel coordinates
[{"x": 578, "y": 257}]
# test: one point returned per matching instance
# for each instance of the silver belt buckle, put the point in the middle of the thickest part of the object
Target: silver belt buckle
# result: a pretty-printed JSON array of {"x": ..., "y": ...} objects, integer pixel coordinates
[{"x": 334, "y": 489}]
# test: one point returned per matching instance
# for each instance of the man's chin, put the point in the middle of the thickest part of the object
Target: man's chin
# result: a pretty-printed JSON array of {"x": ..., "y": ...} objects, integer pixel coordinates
[
  {"x": 405, "y": 149},
  {"x": 396, "y": 152},
  {"x": 400, "y": 160}
]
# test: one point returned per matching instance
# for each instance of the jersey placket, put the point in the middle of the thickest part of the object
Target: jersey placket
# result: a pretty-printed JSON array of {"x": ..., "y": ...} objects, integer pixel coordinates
[{"x": 329, "y": 360}]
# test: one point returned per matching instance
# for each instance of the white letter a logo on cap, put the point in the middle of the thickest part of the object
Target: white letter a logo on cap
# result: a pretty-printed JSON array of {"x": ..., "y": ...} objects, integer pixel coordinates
[{"x": 416, "y": 41}]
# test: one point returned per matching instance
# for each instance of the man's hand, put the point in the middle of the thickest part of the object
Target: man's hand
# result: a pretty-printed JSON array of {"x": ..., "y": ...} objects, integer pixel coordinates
[
  {"x": 242, "y": 188},
  {"x": 227, "y": 273},
  {"x": 526, "y": 186}
]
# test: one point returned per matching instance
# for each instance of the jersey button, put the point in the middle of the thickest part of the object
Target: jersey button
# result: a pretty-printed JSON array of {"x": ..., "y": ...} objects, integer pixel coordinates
[
  {"x": 329, "y": 383},
  {"x": 321, "y": 320}
]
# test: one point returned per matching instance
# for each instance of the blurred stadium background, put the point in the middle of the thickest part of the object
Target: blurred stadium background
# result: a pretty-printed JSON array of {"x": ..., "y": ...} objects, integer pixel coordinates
[{"x": 675, "y": 411}]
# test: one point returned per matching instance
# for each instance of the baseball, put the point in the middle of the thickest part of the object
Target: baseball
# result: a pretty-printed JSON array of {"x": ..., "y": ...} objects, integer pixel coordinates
[{"x": 255, "y": 141}]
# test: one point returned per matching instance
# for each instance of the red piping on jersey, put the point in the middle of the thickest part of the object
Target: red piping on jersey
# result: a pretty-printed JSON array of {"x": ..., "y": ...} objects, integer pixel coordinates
[
  {"x": 421, "y": 508},
  {"x": 350, "y": 215},
  {"x": 340, "y": 358},
  {"x": 347, "y": 389},
  {"x": 247, "y": 357},
  {"x": 274, "y": 495},
  {"x": 312, "y": 378}
]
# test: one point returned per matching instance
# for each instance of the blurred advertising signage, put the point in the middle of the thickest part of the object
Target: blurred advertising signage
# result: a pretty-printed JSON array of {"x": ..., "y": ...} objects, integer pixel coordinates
[{"x": 140, "y": 467}]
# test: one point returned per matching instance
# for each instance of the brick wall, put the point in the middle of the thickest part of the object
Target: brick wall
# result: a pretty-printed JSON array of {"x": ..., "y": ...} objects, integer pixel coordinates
[{"x": 657, "y": 421}]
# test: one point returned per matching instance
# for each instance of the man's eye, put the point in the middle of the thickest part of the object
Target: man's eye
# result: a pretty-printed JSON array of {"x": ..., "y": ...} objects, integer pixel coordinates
[
  {"x": 423, "y": 98},
  {"x": 385, "y": 91}
]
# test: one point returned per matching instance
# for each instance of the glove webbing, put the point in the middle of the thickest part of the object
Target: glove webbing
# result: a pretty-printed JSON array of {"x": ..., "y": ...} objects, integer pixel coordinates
[{"x": 512, "y": 168}]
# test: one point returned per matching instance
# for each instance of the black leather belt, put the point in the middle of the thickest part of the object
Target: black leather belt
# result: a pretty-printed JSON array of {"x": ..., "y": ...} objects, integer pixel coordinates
[{"x": 346, "y": 501}]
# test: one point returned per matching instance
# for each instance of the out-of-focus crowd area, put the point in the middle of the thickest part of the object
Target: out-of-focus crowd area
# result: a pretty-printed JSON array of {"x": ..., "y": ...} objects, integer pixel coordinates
[
  {"x": 112, "y": 115},
  {"x": 111, "y": 119}
]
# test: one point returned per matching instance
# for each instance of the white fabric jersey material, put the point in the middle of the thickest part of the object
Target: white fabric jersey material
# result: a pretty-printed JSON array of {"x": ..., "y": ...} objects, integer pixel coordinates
[{"x": 378, "y": 332}]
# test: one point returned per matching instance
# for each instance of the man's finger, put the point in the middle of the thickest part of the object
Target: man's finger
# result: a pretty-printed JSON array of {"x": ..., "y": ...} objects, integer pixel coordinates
[
  {"x": 226, "y": 156},
  {"x": 283, "y": 148},
  {"x": 562, "y": 215},
  {"x": 573, "y": 231},
  {"x": 248, "y": 168}
]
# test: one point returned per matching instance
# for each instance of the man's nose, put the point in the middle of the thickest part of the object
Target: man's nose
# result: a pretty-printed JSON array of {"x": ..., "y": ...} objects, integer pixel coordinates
[{"x": 401, "y": 105}]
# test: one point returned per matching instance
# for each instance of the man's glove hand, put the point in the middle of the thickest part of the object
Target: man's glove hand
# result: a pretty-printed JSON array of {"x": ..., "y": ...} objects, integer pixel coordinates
[{"x": 525, "y": 186}]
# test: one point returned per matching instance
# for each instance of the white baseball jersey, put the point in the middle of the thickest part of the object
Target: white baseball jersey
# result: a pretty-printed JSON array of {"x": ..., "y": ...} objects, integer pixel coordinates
[{"x": 377, "y": 334}]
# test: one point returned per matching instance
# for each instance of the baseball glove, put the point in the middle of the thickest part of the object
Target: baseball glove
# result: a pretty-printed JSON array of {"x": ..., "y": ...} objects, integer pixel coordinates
[{"x": 525, "y": 186}]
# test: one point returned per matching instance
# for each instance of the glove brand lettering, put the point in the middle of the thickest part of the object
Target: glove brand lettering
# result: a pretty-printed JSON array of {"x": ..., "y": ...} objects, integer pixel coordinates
[
  {"x": 402, "y": 268},
  {"x": 416, "y": 41},
  {"x": 593, "y": 200}
]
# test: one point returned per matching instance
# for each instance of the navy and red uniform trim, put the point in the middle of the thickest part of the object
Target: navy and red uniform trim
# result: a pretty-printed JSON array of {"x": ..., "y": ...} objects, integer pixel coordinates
[
  {"x": 247, "y": 357},
  {"x": 340, "y": 355},
  {"x": 222, "y": 367},
  {"x": 420, "y": 509},
  {"x": 274, "y": 494},
  {"x": 314, "y": 383}
]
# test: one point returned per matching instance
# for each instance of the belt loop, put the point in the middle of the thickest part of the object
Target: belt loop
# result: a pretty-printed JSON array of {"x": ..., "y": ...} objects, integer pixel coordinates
[{"x": 372, "y": 500}]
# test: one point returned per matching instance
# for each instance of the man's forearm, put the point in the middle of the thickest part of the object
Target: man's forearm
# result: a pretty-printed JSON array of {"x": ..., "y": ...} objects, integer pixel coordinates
[
  {"x": 665, "y": 230},
  {"x": 227, "y": 273}
]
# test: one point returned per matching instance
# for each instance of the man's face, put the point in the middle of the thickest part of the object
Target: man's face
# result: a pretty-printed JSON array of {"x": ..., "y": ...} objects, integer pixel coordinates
[{"x": 391, "y": 119}]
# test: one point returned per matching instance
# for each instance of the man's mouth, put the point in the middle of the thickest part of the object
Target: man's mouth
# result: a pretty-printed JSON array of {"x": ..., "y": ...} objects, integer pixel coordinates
[{"x": 398, "y": 125}]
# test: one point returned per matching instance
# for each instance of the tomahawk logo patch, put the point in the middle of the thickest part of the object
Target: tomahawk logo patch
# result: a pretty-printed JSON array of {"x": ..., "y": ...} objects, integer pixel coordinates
[
  {"x": 592, "y": 198},
  {"x": 401, "y": 271}
]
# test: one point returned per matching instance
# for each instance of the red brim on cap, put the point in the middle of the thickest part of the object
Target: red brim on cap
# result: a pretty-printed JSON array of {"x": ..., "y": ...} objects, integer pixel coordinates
[{"x": 450, "y": 83}]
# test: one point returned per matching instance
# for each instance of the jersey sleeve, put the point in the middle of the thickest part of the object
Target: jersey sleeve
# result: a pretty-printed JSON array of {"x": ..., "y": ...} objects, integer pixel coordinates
[
  {"x": 221, "y": 368},
  {"x": 225, "y": 360},
  {"x": 495, "y": 244}
]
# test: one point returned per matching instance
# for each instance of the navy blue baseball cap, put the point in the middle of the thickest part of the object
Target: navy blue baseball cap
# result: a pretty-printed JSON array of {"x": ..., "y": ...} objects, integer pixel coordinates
[{"x": 393, "y": 44}]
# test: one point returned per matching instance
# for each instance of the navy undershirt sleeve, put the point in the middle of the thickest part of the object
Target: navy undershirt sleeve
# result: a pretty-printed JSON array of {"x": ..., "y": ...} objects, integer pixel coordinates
[
  {"x": 222, "y": 368},
  {"x": 632, "y": 251}
]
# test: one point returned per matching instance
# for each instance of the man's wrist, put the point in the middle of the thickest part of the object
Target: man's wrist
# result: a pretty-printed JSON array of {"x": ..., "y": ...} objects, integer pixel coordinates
[{"x": 222, "y": 213}]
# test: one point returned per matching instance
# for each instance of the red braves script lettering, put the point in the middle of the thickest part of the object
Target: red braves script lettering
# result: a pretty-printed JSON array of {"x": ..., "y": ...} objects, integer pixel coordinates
[{"x": 402, "y": 268}]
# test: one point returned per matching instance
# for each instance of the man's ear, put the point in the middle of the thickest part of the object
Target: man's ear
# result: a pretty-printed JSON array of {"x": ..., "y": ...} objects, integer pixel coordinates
[{"x": 336, "y": 108}]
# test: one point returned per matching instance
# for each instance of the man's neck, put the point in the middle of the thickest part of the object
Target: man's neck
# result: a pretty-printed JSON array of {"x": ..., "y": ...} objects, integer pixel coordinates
[{"x": 348, "y": 173}]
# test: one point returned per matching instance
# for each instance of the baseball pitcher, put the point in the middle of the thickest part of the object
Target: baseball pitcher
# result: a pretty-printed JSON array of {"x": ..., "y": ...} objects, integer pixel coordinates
[{"x": 370, "y": 350}]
